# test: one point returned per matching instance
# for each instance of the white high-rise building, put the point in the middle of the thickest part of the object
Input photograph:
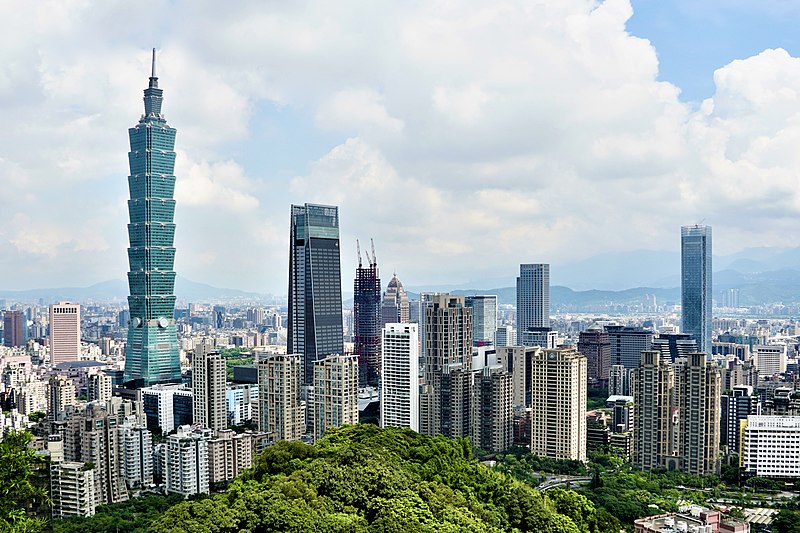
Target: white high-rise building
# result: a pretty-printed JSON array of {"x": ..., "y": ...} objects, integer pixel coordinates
[
  {"x": 62, "y": 397},
  {"x": 99, "y": 387},
  {"x": 400, "y": 375},
  {"x": 186, "y": 462},
  {"x": 72, "y": 485},
  {"x": 208, "y": 387},
  {"x": 335, "y": 392},
  {"x": 770, "y": 360},
  {"x": 65, "y": 332},
  {"x": 770, "y": 446},
  {"x": 136, "y": 447}
]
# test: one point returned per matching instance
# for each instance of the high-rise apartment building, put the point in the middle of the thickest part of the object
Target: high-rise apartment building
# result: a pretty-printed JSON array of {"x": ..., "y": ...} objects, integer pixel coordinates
[
  {"x": 484, "y": 318},
  {"x": 400, "y": 376},
  {"x": 61, "y": 395},
  {"x": 493, "y": 412},
  {"x": 736, "y": 407},
  {"x": 136, "y": 453},
  {"x": 367, "y": 320},
  {"x": 65, "y": 332},
  {"x": 653, "y": 390},
  {"x": 696, "y": 284},
  {"x": 14, "y": 326},
  {"x": 151, "y": 354},
  {"x": 210, "y": 407},
  {"x": 229, "y": 454},
  {"x": 595, "y": 345},
  {"x": 505, "y": 335},
  {"x": 697, "y": 389},
  {"x": 558, "y": 404},
  {"x": 99, "y": 387},
  {"x": 517, "y": 360},
  {"x": 315, "y": 286},
  {"x": 186, "y": 461},
  {"x": 395, "y": 307},
  {"x": 72, "y": 485},
  {"x": 335, "y": 393},
  {"x": 167, "y": 406},
  {"x": 446, "y": 400},
  {"x": 627, "y": 344},
  {"x": 533, "y": 302},
  {"x": 280, "y": 413}
]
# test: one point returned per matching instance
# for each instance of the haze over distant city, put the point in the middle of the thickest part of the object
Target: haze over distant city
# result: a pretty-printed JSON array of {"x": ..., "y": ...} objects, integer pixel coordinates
[{"x": 463, "y": 141}]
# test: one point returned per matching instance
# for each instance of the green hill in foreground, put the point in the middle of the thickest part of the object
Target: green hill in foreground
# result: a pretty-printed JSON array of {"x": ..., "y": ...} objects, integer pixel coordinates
[{"x": 366, "y": 479}]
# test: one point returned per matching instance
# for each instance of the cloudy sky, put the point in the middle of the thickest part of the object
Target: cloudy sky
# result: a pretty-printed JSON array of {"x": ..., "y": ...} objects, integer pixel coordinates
[{"x": 464, "y": 137}]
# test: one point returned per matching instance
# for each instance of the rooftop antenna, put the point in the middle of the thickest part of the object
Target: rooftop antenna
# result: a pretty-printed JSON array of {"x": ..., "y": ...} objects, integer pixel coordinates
[{"x": 153, "y": 78}]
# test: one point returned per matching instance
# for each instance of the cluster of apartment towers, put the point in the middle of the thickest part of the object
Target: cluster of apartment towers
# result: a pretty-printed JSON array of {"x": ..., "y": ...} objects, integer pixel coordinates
[{"x": 441, "y": 364}]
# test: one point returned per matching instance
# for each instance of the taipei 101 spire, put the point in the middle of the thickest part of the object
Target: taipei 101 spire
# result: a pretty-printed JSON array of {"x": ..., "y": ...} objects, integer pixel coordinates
[{"x": 151, "y": 355}]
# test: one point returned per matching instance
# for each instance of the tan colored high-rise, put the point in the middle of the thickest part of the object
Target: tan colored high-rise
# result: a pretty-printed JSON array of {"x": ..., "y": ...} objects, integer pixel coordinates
[
  {"x": 653, "y": 391},
  {"x": 210, "y": 407},
  {"x": 558, "y": 404},
  {"x": 229, "y": 454},
  {"x": 280, "y": 413},
  {"x": 493, "y": 413},
  {"x": 446, "y": 399},
  {"x": 697, "y": 387},
  {"x": 335, "y": 392},
  {"x": 65, "y": 332}
]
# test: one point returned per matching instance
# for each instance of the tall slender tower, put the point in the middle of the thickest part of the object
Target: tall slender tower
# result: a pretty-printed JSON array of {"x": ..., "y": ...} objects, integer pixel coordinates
[
  {"x": 696, "y": 284},
  {"x": 152, "y": 351},
  {"x": 367, "y": 319},
  {"x": 315, "y": 286},
  {"x": 533, "y": 305}
]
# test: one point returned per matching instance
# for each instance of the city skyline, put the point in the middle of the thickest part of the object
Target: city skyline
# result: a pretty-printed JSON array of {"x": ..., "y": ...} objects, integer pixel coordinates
[{"x": 403, "y": 146}]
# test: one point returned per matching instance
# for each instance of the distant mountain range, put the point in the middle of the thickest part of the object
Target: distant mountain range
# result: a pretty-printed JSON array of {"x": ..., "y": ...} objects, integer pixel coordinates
[{"x": 117, "y": 290}]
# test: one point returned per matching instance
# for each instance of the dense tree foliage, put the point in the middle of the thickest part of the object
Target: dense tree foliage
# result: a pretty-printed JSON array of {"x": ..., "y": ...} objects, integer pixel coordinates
[
  {"x": 22, "y": 490},
  {"x": 366, "y": 479},
  {"x": 132, "y": 516}
]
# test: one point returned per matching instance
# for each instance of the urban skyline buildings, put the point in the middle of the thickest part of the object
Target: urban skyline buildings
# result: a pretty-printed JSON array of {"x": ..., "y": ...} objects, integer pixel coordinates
[
  {"x": 65, "y": 332},
  {"x": 152, "y": 350},
  {"x": 533, "y": 305},
  {"x": 696, "y": 273},
  {"x": 315, "y": 328},
  {"x": 400, "y": 376}
]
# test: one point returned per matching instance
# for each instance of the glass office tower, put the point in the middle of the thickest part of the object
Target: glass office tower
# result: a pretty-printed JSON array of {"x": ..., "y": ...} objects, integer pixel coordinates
[
  {"x": 315, "y": 286},
  {"x": 152, "y": 351},
  {"x": 696, "y": 284}
]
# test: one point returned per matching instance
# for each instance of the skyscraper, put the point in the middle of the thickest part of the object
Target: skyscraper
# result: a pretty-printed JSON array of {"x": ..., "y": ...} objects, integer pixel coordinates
[
  {"x": 65, "y": 332},
  {"x": 595, "y": 345},
  {"x": 533, "y": 303},
  {"x": 210, "y": 407},
  {"x": 280, "y": 413},
  {"x": 696, "y": 284},
  {"x": 13, "y": 329},
  {"x": 151, "y": 354},
  {"x": 400, "y": 375},
  {"x": 367, "y": 320},
  {"x": 446, "y": 401},
  {"x": 698, "y": 394},
  {"x": 627, "y": 344},
  {"x": 484, "y": 318},
  {"x": 558, "y": 404},
  {"x": 653, "y": 391},
  {"x": 395, "y": 308},
  {"x": 315, "y": 286}
]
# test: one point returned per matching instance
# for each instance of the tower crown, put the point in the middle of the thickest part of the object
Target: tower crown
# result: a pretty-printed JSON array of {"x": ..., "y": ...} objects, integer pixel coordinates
[{"x": 153, "y": 95}]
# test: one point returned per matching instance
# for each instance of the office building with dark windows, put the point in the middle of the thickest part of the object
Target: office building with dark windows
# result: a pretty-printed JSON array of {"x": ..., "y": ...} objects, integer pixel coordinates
[{"x": 696, "y": 284}]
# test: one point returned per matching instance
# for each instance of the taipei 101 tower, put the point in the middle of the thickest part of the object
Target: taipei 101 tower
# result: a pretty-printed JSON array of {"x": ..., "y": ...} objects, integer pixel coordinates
[{"x": 151, "y": 355}]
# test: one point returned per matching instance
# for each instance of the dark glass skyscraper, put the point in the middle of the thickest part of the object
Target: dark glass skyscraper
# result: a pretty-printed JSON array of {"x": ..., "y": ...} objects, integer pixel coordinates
[
  {"x": 696, "y": 284},
  {"x": 152, "y": 351},
  {"x": 315, "y": 286},
  {"x": 367, "y": 320}
]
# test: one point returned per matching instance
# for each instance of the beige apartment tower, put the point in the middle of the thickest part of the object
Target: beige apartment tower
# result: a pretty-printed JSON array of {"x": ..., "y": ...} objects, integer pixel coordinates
[
  {"x": 653, "y": 390},
  {"x": 210, "y": 407},
  {"x": 65, "y": 332},
  {"x": 558, "y": 404},
  {"x": 280, "y": 413},
  {"x": 697, "y": 387},
  {"x": 493, "y": 412},
  {"x": 335, "y": 392}
]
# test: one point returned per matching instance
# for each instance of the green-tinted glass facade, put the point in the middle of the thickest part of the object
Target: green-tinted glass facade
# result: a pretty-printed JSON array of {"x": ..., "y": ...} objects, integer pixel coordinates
[{"x": 152, "y": 351}]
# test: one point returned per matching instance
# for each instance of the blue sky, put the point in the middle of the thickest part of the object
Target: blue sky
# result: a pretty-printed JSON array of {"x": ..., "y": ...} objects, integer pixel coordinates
[{"x": 465, "y": 138}]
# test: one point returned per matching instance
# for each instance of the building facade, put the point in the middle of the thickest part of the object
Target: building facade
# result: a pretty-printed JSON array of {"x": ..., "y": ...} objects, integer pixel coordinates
[
  {"x": 627, "y": 344},
  {"x": 14, "y": 329},
  {"x": 186, "y": 462},
  {"x": 151, "y": 354},
  {"x": 697, "y": 387},
  {"x": 65, "y": 332},
  {"x": 209, "y": 405},
  {"x": 367, "y": 321},
  {"x": 770, "y": 446},
  {"x": 395, "y": 307},
  {"x": 696, "y": 284},
  {"x": 595, "y": 345},
  {"x": 335, "y": 393},
  {"x": 400, "y": 376},
  {"x": 653, "y": 390},
  {"x": 280, "y": 413},
  {"x": 558, "y": 404},
  {"x": 315, "y": 328},
  {"x": 736, "y": 406},
  {"x": 484, "y": 318},
  {"x": 533, "y": 299}
]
